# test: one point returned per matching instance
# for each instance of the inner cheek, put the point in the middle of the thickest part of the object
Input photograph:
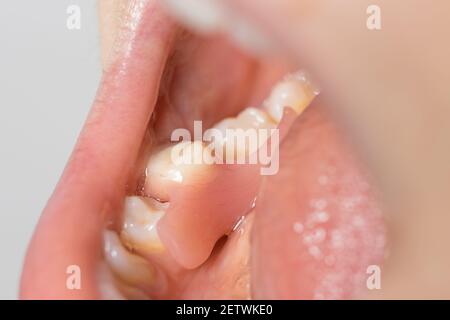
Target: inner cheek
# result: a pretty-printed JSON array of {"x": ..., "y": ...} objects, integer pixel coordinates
[{"x": 327, "y": 232}]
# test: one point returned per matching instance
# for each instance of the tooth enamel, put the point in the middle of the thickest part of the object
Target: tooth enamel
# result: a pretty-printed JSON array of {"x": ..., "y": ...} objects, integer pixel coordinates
[
  {"x": 113, "y": 288},
  {"x": 237, "y": 139},
  {"x": 139, "y": 230},
  {"x": 210, "y": 16},
  {"x": 132, "y": 269},
  {"x": 233, "y": 142},
  {"x": 176, "y": 164},
  {"x": 294, "y": 92},
  {"x": 255, "y": 118},
  {"x": 202, "y": 15},
  {"x": 246, "y": 34}
]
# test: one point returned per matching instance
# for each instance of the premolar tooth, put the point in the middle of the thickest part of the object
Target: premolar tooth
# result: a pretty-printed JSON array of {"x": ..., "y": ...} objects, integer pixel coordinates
[
  {"x": 139, "y": 230},
  {"x": 295, "y": 91},
  {"x": 132, "y": 269}
]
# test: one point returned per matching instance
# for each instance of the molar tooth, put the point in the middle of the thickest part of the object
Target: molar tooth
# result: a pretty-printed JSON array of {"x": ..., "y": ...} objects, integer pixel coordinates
[
  {"x": 295, "y": 91},
  {"x": 235, "y": 142},
  {"x": 184, "y": 162},
  {"x": 241, "y": 135},
  {"x": 139, "y": 230},
  {"x": 255, "y": 118},
  {"x": 132, "y": 269}
]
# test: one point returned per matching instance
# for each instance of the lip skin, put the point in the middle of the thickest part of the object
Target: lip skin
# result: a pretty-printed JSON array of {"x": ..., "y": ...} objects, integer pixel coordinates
[{"x": 87, "y": 193}]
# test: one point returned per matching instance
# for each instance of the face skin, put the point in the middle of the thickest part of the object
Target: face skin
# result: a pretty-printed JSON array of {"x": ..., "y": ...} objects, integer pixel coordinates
[{"x": 142, "y": 44}]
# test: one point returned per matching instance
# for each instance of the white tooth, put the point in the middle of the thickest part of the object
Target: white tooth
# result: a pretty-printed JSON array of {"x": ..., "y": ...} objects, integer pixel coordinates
[
  {"x": 210, "y": 16},
  {"x": 202, "y": 15},
  {"x": 247, "y": 35},
  {"x": 232, "y": 142},
  {"x": 108, "y": 284},
  {"x": 294, "y": 92},
  {"x": 255, "y": 118},
  {"x": 132, "y": 269},
  {"x": 184, "y": 162},
  {"x": 241, "y": 136},
  {"x": 112, "y": 287},
  {"x": 139, "y": 231}
]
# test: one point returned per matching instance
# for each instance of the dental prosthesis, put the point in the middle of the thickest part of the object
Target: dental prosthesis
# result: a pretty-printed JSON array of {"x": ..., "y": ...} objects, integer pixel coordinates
[{"x": 178, "y": 216}]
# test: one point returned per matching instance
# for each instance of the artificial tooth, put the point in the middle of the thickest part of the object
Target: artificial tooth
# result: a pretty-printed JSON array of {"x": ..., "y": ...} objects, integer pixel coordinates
[
  {"x": 294, "y": 91},
  {"x": 140, "y": 219},
  {"x": 176, "y": 165},
  {"x": 132, "y": 269}
]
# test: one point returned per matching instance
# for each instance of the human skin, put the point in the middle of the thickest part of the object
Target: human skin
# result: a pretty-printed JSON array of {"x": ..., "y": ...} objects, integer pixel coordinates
[{"x": 360, "y": 102}]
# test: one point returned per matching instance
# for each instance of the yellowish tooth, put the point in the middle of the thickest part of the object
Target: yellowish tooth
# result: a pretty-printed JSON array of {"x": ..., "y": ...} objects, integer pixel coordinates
[
  {"x": 184, "y": 162},
  {"x": 295, "y": 91},
  {"x": 140, "y": 217},
  {"x": 132, "y": 269}
]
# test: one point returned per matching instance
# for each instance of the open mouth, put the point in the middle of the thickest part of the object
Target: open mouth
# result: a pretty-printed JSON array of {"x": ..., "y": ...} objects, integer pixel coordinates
[{"x": 139, "y": 225}]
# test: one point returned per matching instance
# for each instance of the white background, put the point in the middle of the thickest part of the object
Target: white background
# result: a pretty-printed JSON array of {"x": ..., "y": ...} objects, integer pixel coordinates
[{"x": 48, "y": 78}]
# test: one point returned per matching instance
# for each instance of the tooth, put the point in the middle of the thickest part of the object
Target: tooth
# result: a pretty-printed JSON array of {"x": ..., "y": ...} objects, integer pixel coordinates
[
  {"x": 255, "y": 118},
  {"x": 247, "y": 35},
  {"x": 113, "y": 288},
  {"x": 184, "y": 162},
  {"x": 202, "y": 15},
  {"x": 241, "y": 135},
  {"x": 295, "y": 92},
  {"x": 213, "y": 16},
  {"x": 132, "y": 269},
  {"x": 139, "y": 230}
]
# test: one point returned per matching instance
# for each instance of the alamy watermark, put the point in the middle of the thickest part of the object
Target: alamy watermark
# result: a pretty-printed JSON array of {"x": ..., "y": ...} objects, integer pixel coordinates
[
  {"x": 73, "y": 281},
  {"x": 73, "y": 21},
  {"x": 373, "y": 21},
  {"x": 373, "y": 281}
]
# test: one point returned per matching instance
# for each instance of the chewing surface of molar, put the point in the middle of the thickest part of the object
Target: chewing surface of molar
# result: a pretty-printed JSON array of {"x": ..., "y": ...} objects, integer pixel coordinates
[{"x": 140, "y": 217}]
